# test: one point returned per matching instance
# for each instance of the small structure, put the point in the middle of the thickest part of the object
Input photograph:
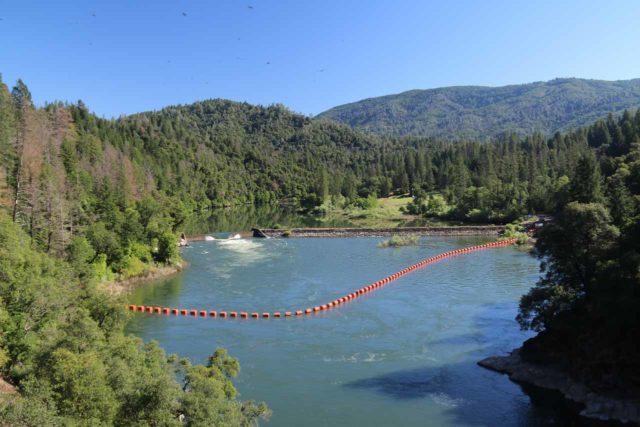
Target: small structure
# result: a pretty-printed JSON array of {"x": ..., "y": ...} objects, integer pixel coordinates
[{"x": 258, "y": 233}]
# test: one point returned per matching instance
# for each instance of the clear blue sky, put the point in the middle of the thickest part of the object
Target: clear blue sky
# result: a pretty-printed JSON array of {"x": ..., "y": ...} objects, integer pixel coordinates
[{"x": 138, "y": 55}]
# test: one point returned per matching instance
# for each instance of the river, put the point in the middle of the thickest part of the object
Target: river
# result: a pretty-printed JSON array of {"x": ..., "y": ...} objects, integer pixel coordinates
[{"x": 403, "y": 355}]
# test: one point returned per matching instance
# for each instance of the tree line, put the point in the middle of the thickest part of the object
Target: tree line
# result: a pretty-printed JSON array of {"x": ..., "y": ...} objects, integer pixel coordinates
[
  {"x": 586, "y": 306},
  {"x": 85, "y": 199}
]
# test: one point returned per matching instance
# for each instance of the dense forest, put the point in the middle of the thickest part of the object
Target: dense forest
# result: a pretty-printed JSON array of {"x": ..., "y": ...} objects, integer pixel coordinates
[
  {"x": 587, "y": 304},
  {"x": 122, "y": 188},
  {"x": 484, "y": 113},
  {"x": 85, "y": 200},
  {"x": 71, "y": 216}
]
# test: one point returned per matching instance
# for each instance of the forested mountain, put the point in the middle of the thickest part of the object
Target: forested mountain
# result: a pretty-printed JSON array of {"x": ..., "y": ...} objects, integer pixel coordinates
[
  {"x": 84, "y": 200},
  {"x": 127, "y": 185},
  {"x": 485, "y": 112}
]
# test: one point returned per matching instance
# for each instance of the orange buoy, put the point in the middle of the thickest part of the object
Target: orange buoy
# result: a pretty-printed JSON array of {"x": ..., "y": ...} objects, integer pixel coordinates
[{"x": 341, "y": 300}]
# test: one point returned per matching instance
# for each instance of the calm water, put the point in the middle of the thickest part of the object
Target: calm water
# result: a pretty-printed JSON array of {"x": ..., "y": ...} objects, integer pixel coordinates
[
  {"x": 243, "y": 218},
  {"x": 403, "y": 355}
]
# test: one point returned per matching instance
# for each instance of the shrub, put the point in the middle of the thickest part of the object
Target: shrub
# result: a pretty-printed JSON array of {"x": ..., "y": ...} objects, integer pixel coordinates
[
  {"x": 131, "y": 266},
  {"x": 397, "y": 241},
  {"x": 366, "y": 202},
  {"x": 167, "y": 249},
  {"x": 511, "y": 232}
]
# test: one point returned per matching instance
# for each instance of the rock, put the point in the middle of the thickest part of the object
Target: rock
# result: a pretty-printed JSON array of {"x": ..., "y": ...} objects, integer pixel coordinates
[{"x": 596, "y": 405}]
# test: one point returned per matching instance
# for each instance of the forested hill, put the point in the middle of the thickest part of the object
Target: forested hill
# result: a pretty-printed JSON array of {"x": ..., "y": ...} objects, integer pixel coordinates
[
  {"x": 483, "y": 112},
  {"x": 85, "y": 200},
  {"x": 125, "y": 187}
]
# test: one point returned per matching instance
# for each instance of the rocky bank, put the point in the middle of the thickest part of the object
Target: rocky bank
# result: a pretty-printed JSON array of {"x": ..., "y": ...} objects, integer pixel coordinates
[{"x": 596, "y": 405}]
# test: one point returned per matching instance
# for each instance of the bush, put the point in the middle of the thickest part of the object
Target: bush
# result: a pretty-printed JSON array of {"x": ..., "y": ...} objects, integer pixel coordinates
[
  {"x": 167, "y": 249},
  {"x": 397, "y": 241},
  {"x": 477, "y": 215},
  {"x": 369, "y": 202},
  {"x": 437, "y": 206},
  {"x": 131, "y": 266},
  {"x": 100, "y": 269},
  {"x": 141, "y": 251},
  {"x": 511, "y": 232}
]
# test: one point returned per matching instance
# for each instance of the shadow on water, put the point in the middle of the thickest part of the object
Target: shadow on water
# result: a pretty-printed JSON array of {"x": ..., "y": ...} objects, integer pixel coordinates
[{"x": 474, "y": 395}]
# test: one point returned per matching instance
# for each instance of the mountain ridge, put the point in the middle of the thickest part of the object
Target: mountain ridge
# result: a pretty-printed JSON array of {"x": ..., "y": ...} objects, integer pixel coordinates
[{"x": 484, "y": 112}]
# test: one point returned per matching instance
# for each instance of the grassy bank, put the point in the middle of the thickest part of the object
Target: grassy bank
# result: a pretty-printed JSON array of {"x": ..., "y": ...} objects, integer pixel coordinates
[{"x": 384, "y": 214}]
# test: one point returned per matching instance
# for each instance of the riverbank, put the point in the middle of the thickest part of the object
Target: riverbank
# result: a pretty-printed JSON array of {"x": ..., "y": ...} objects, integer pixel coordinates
[
  {"x": 481, "y": 230},
  {"x": 125, "y": 286},
  {"x": 596, "y": 405}
]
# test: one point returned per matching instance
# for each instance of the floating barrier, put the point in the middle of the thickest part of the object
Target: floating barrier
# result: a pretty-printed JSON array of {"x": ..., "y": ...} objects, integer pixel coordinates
[{"x": 324, "y": 307}]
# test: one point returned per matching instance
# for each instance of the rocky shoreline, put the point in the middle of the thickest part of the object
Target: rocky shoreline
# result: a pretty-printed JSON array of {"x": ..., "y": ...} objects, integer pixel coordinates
[
  {"x": 466, "y": 230},
  {"x": 596, "y": 405}
]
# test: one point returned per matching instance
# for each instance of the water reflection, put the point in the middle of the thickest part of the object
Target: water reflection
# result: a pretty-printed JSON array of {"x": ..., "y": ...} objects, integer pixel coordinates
[
  {"x": 243, "y": 218},
  {"x": 246, "y": 217}
]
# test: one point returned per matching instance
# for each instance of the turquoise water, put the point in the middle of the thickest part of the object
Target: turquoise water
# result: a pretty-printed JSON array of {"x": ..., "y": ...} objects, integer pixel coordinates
[{"x": 403, "y": 355}]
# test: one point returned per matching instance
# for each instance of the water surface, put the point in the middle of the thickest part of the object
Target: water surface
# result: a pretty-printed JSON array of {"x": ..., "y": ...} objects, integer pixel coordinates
[{"x": 403, "y": 355}]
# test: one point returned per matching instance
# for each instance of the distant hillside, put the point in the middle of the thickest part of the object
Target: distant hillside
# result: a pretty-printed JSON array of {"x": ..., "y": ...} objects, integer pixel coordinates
[{"x": 481, "y": 112}]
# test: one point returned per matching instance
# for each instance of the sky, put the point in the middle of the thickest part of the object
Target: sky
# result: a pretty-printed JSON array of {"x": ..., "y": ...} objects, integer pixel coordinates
[{"x": 127, "y": 56}]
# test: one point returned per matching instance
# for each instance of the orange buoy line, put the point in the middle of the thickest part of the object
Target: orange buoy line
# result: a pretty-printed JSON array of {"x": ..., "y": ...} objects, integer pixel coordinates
[{"x": 332, "y": 304}]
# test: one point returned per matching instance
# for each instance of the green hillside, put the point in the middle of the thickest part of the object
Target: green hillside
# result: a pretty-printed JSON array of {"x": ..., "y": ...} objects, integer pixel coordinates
[{"x": 482, "y": 112}]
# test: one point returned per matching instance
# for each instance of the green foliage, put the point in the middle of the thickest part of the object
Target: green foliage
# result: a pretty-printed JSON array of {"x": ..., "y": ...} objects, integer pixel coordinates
[
  {"x": 587, "y": 304},
  {"x": 167, "y": 249},
  {"x": 398, "y": 241},
  {"x": 511, "y": 231},
  {"x": 436, "y": 206},
  {"x": 574, "y": 248},
  {"x": 368, "y": 202},
  {"x": 62, "y": 345},
  {"x": 586, "y": 183},
  {"x": 488, "y": 112}
]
